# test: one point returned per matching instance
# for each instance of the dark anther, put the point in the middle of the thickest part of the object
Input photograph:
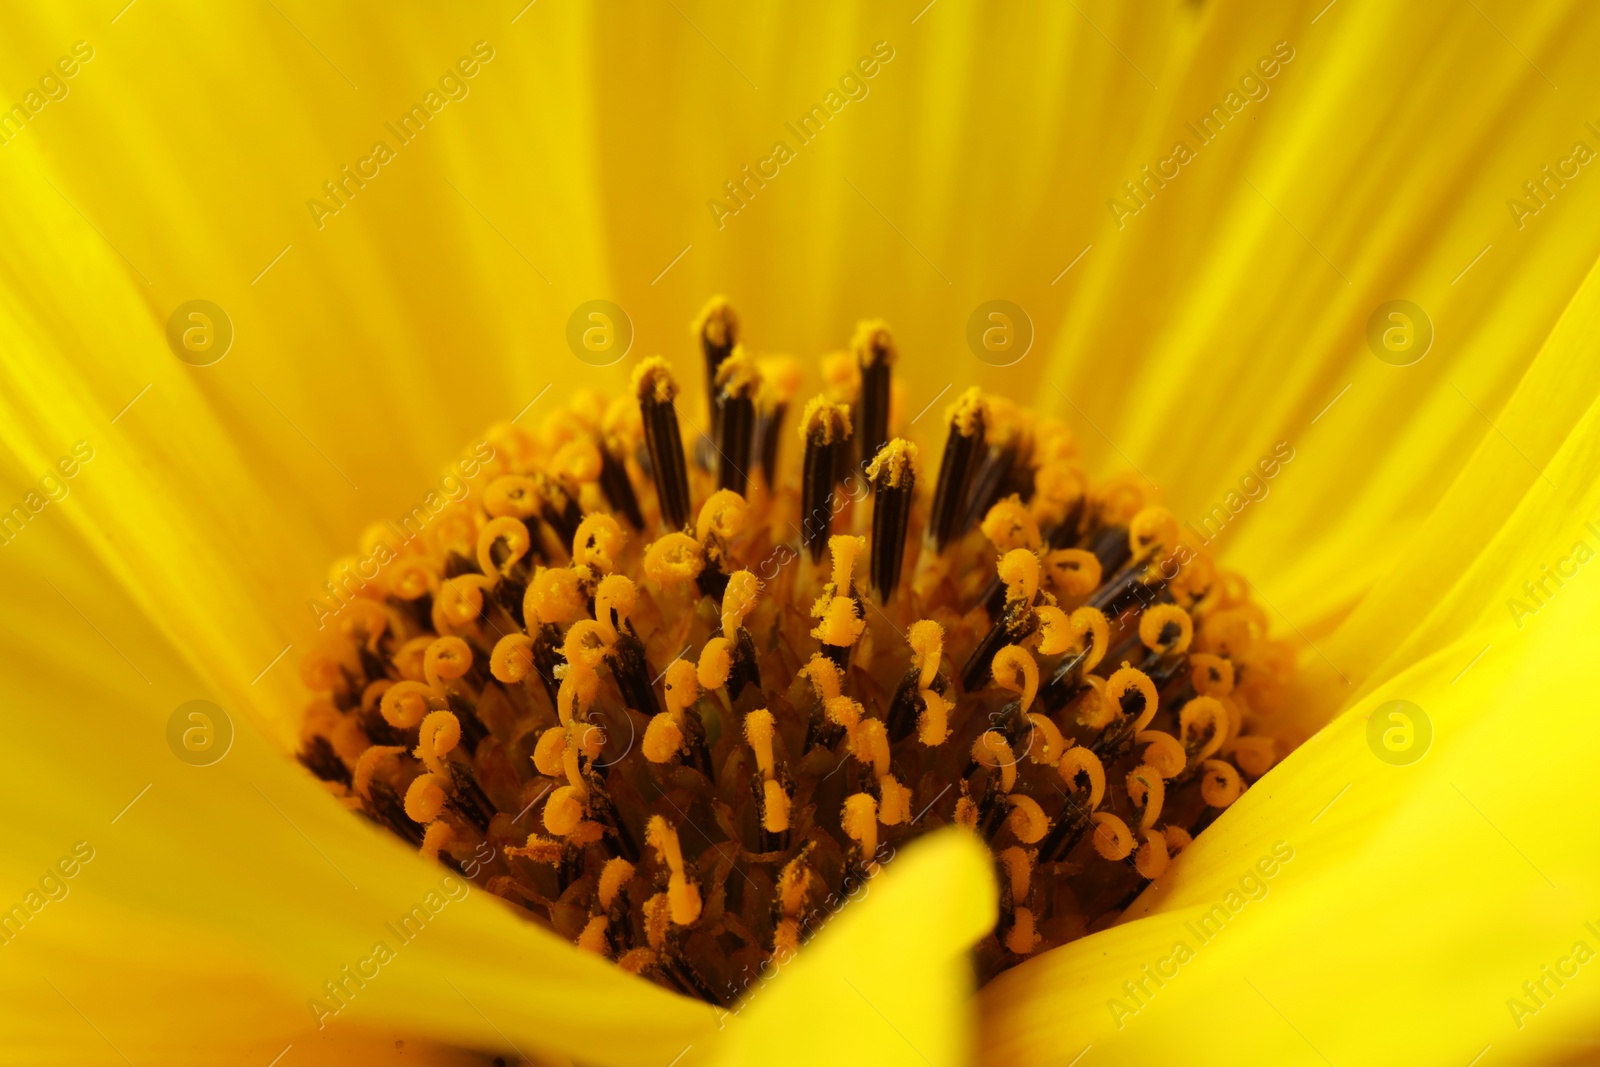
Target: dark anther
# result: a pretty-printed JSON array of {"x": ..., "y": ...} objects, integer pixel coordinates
[
  {"x": 875, "y": 354},
  {"x": 372, "y": 664},
  {"x": 1067, "y": 829},
  {"x": 557, "y": 508},
  {"x": 547, "y": 657},
  {"x": 894, "y": 479},
  {"x": 1065, "y": 534},
  {"x": 468, "y": 798},
  {"x": 509, "y": 595},
  {"x": 825, "y": 427},
  {"x": 907, "y": 703},
  {"x": 472, "y": 728},
  {"x": 717, "y": 329},
  {"x": 1014, "y": 624},
  {"x": 320, "y": 759},
  {"x": 384, "y": 805},
  {"x": 768, "y": 424},
  {"x": 653, "y": 383},
  {"x": 738, "y": 382},
  {"x": 955, "y": 469},
  {"x": 618, "y": 489},
  {"x": 989, "y": 481},
  {"x": 378, "y": 730},
  {"x": 743, "y": 669},
  {"x": 632, "y": 672}
]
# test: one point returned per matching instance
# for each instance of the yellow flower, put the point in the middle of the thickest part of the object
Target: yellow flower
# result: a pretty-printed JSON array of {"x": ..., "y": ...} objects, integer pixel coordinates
[{"x": 1422, "y": 544}]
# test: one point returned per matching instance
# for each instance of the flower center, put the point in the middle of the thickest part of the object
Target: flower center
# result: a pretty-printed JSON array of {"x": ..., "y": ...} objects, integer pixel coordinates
[{"x": 680, "y": 707}]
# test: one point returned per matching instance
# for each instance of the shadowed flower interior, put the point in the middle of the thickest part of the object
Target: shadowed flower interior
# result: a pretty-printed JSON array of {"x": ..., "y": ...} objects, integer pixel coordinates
[{"x": 681, "y": 705}]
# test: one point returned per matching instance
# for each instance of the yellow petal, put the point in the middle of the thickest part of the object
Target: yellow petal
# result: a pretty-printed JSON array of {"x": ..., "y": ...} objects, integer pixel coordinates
[
  {"x": 1437, "y": 887},
  {"x": 888, "y": 979},
  {"x": 226, "y": 896}
]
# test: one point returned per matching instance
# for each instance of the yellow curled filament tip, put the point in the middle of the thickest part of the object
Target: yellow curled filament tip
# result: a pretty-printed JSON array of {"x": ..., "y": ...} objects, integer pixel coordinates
[
  {"x": 1019, "y": 570},
  {"x": 1112, "y": 839},
  {"x": 1015, "y": 669},
  {"x": 723, "y": 514},
  {"x": 1153, "y": 531},
  {"x": 663, "y": 738},
  {"x": 841, "y": 623},
  {"x": 758, "y": 730},
  {"x": 554, "y": 597},
  {"x": 512, "y": 658},
  {"x": 598, "y": 542},
  {"x": 1074, "y": 572},
  {"x": 683, "y": 895},
  {"x": 405, "y": 703},
  {"x": 1212, "y": 676},
  {"x": 739, "y": 600},
  {"x": 991, "y": 749},
  {"x": 927, "y": 649},
  {"x": 1080, "y": 761},
  {"x": 859, "y": 820},
  {"x": 933, "y": 725},
  {"x": 512, "y": 495},
  {"x": 846, "y": 550},
  {"x": 1091, "y": 624},
  {"x": 504, "y": 531},
  {"x": 823, "y": 675},
  {"x": 1147, "y": 790},
  {"x": 616, "y": 595},
  {"x": 716, "y": 663},
  {"x": 1127, "y": 683},
  {"x": 1008, "y": 526},
  {"x": 674, "y": 559},
  {"x": 682, "y": 686},
  {"x": 1203, "y": 713},
  {"x": 1221, "y": 785},
  {"x": 1027, "y": 819},
  {"x": 1166, "y": 629}
]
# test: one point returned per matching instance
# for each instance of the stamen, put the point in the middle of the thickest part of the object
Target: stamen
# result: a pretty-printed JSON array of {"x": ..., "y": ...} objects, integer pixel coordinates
[
  {"x": 1221, "y": 785},
  {"x": 1165, "y": 629},
  {"x": 598, "y": 543},
  {"x": 927, "y": 649},
  {"x": 933, "y": 726},
  {"x": 893, "y": 477},
  {"x": 1111, "y": 836},
  {"x": 966, "y": 419},
  {"x": 1027, "y": 819},
  {"x": 622, "y": 430},
  {"x": 654, "y": 385},
  {"x": 1019, "y": 570},
  {"x": 738, "y": 382},
  {"x": 1073, "y": 572},
  {"x": 859, "y": 820},
  {"x": 1203, "y": 712},
  {"x": 1015, "y": 669},
  {"x": 780, "y": 380},
  {"x": 721, "y": 519},
  {"x": 682, "y": 894},
  {"x": 738, "y": 601},
  {"x": 1004, "y": 467},
  {"x": 717, "y": 330},
  {"x": 674, "y": 560},
  {"x": 824, "y": 427},
  {"x": 1164, "y": 753},
  {"x": 927, "y": 652},
  {"x": 758, "y": 730},
  {"x": 838, "y": 609},
  {"x": 1121, "y": 661},
  {"x": 875, "y": 352}
]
